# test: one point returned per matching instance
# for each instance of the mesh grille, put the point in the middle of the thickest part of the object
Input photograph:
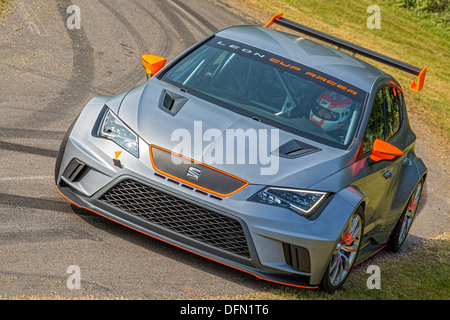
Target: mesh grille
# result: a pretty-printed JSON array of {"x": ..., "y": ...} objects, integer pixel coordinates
[{"x": 178, "y": 215}]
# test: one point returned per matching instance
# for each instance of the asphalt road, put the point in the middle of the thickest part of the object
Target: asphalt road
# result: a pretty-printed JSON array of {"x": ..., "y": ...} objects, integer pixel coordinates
[{"x": 47, "y": 74}]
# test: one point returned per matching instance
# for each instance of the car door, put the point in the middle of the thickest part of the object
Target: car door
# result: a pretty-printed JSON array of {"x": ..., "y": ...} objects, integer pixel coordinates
[
  {"x": 393, "y": 119},
  {"x": 381, "y": 178}
]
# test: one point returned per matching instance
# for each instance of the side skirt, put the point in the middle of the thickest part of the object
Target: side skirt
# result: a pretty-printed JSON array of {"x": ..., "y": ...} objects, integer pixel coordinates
[{"x": 368, "y": 250}]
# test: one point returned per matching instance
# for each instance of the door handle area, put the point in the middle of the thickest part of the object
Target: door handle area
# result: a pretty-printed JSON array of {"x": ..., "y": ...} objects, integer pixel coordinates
[{"x": 388, "y": 174}]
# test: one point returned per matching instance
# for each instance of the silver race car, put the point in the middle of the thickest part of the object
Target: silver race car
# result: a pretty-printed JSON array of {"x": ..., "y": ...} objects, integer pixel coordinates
[{"x": 261, "y": 150}]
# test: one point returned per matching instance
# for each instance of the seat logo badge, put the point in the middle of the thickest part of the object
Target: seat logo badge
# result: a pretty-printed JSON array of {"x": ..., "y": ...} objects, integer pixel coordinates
[{"x": 194, "y": 173}]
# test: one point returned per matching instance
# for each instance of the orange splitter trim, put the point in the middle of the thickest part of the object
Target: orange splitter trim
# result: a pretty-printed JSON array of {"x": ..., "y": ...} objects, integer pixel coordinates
[{"x": 246, "y": 183}]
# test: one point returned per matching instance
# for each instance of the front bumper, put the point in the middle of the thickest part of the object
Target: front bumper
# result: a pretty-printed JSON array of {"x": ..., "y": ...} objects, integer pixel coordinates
[
  {"x": 280, "y": 246},
  {"x": 163, "y": 234}
]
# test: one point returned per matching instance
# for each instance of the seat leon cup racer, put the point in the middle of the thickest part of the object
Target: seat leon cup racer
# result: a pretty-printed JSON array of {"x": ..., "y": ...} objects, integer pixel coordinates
[{"x": 264, "y": 151}]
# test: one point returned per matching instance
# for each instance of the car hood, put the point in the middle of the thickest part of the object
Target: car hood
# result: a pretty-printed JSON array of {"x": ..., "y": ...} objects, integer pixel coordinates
[{"x": 204, "y": 132}]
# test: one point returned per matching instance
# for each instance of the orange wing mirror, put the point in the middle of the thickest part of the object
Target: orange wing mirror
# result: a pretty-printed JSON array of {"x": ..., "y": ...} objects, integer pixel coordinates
[
  {"x": 152, "y": 64},
  {"x": 382, "y": 150}
]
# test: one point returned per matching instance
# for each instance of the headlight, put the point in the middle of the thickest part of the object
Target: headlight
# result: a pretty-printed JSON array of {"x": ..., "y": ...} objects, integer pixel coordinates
[
  {"x": 114, "y": 129},
  {"x": 303, "y": 202}
]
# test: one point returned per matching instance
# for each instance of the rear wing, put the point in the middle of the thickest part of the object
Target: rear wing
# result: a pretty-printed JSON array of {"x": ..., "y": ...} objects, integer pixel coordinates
[{"x": 416, "y": 85}]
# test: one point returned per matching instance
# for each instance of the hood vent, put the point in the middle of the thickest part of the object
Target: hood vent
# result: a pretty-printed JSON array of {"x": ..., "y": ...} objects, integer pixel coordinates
[
  {"x": 294, "y": 149},
  {"x": 171, "y": 102}
]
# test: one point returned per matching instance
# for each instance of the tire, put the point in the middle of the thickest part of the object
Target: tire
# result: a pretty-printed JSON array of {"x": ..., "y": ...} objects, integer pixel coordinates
[
  {"x": 345, "y": 253},
  {"x": 403, "y": 225}
]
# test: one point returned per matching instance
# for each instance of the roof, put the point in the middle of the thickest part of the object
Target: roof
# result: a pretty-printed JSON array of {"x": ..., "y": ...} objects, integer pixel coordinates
[{"x": 310, "y": 53}]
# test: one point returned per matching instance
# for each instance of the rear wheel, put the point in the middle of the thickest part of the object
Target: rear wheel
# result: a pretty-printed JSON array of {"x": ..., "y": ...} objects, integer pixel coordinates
[
  {"x": 401, "y": 230},
  {"x": 344, "y": 254}
]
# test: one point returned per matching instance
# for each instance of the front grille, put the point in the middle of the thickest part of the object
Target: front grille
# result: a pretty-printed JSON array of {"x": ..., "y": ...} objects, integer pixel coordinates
[{"x": 178, "y": 215}]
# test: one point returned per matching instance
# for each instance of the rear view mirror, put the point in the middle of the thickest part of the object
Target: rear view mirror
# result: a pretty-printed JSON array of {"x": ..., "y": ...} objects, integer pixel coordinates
[
  {"x": 152, "y": 64},
  {"x": 382, "y": 150}
]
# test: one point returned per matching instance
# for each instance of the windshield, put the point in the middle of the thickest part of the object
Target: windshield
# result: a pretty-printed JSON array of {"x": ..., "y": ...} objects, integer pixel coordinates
[{"x": 271, "y": 89}]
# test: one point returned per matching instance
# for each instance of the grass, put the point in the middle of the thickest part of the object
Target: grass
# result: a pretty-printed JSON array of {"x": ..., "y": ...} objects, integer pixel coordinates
[
  {"x": 404, "y": 35},
  {"x": 3, "y": 4}
]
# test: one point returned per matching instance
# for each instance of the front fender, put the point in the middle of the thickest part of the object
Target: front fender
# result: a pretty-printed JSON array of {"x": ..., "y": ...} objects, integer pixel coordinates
[
  {"x": 342, "y": 214},
  {"x": 354, "y": 197},
  {"x": 94, "y": 102}
]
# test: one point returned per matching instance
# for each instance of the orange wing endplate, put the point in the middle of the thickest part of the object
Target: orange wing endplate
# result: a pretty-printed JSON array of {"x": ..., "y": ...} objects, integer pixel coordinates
[
  {"x": 277, "y": 16},
  {"x": 417, "y": 85}
]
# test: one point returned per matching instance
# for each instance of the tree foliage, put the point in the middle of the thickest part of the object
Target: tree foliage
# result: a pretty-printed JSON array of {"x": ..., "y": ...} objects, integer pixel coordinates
[{"x": 437, "y": 11}]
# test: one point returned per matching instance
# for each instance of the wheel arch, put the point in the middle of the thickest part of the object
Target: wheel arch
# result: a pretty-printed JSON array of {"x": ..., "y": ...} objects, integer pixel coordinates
[
  {"x": 411, "y": 176},
  {"x": 355, "y": 198},
  {"x": 358, "y": 201}
]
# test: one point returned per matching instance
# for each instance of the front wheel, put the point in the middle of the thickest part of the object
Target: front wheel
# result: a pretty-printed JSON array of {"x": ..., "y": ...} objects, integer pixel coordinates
[
  {"x": 404, "y": 224},
  {"x": 344, "y": 254}
]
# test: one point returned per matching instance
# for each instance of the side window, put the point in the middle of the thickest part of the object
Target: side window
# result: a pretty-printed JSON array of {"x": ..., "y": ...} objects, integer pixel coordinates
[
  {"x": 392, "y": 96},
  {"x": 375, "y": 127}
]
